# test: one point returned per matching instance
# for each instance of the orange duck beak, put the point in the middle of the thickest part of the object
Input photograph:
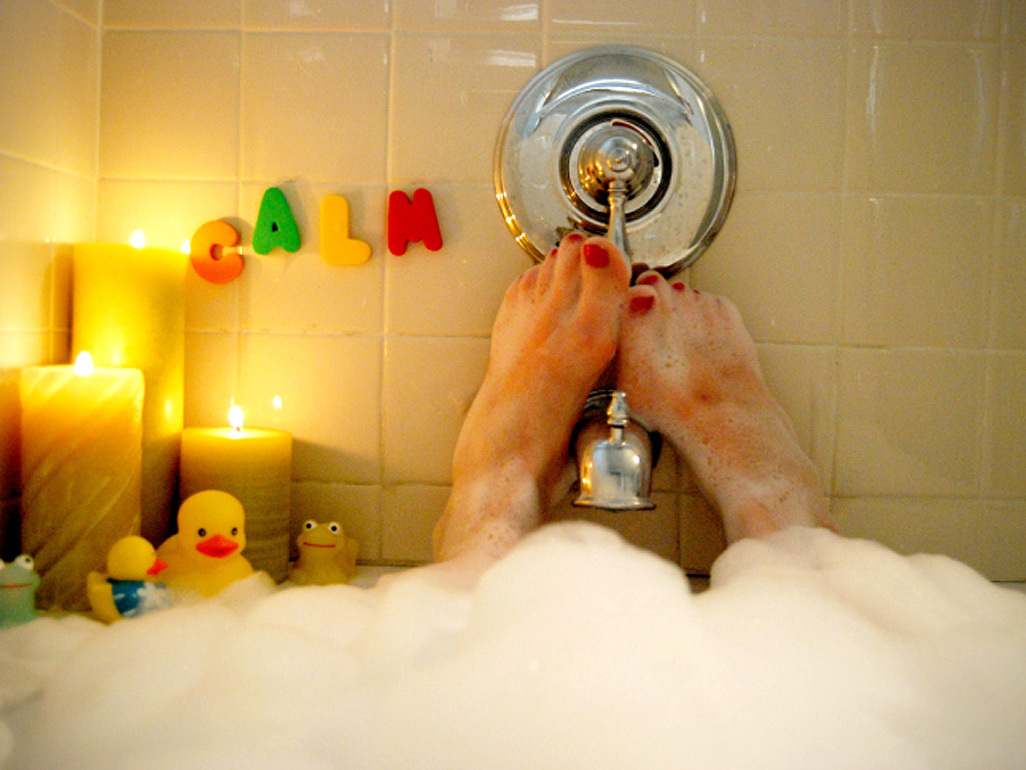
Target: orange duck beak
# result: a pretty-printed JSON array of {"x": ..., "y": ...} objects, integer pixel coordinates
[
  {"x": 217, "y": 546},
  {"x": 158, "y": 567}
]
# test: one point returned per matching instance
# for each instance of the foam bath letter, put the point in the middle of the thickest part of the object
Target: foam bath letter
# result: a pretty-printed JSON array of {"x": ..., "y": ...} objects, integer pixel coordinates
[
  {"x": 208, "y": 256},
  {"x": 337, "y": 248},
  {"x": 412, "y": 221},
  {"x": 275, "y": 226}
]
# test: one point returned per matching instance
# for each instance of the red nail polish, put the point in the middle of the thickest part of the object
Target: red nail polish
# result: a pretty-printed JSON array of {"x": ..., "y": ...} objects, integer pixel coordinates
[
  {"x": 642, "y": 304},
  {"x": 573, "y": 238},
  {"x": 651, "y": 279},
  {"x": 679, "y": 286},
  {"x": 554, "y": 252},
  {"x": 595, "y": 255}
]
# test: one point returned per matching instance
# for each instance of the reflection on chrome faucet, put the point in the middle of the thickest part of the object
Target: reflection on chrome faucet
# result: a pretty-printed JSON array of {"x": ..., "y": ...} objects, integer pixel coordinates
[{"x": 615, "y": 455}]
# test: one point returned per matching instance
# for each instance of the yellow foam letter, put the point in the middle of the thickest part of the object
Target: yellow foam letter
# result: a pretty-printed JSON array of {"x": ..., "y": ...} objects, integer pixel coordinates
[{"x": 337, "y": 248}]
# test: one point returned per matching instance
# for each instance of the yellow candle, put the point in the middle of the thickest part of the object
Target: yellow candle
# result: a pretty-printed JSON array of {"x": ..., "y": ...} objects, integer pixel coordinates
[
  {"x": 81, "y": 464},
  {"x": 254, "y": 465},
  {"x": 128, "y": 310}
]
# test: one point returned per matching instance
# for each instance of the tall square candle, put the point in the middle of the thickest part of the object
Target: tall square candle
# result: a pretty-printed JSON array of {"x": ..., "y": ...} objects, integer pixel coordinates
[
  {"x": 81, "y": 449},
  {"x": 128, "y": 310}
]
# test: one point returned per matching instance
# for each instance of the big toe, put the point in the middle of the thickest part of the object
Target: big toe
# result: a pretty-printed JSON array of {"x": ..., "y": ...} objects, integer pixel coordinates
[{"x": 605, "y": 276}]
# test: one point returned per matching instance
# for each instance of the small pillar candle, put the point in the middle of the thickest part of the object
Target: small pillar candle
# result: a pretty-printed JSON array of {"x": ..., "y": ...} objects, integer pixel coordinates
[
  {"x": 254, "y": 465},
  {"x": 81, "y": 466},
  {"x": 129, "y": 310}
]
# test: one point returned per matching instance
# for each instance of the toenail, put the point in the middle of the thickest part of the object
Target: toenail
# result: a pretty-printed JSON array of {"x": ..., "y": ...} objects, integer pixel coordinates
[
  {"x": 595, "y": 255},
  {"x": 642, "y": 304},
  {"x": 648, "y": 280},
  {"x": 573, "y": 238},
  {"x": 679, "y": 286},
  {"x": 554, "y": 252}
]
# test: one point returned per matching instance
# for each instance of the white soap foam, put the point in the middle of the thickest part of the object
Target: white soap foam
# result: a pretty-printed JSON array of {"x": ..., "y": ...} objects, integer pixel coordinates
[{"x": 576, "y": 650}]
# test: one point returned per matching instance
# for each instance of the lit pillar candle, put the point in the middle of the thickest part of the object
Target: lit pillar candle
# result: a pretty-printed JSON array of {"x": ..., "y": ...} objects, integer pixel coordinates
[
  {"x": 128, "y": 310},
  {"x": 81, "y": 464},
  {"x": 254, "y": 465}
]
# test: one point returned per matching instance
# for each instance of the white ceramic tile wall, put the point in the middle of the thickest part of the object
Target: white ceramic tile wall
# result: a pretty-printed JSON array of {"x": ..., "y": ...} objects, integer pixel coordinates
[{"x": 875, "y": 245}]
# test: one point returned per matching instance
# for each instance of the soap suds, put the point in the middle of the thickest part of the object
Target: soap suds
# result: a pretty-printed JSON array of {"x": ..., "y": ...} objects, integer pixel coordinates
[{"x": 575, "y": 650}]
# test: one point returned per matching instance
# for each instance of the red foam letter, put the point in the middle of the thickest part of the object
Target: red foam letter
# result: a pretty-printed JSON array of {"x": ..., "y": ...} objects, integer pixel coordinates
[{"x": 412, "y": 221}]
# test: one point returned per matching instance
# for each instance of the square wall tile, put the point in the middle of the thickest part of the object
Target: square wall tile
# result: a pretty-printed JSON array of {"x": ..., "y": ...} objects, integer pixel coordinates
[
  {"x": 409, "y": 513},
  {"x": 26, "y": 284},
  {"x": 909, "y": 422},
  {"x": 911, "y": 525},
  {"x": 300, "y": 292},
  {"x": 458, "y": 289},
  {"x": 330, "y": 389},
  {"x": 28, "y": 80},
  {"x": 462, "y": 16},
  {"x": 450, "y": 94},
  {"x": 74, "y": 205},
  {"x": 76, "y": 95},
  {"x": 922, "y": 118},
  {"x": 314, "y": 107},
  {"x": 662, "y": 18},
  {"x": 926, "y": 19},
  {"x": 777, "y": 259},
  {"x": 181, "y": 14},
  {"x": 1009, "y": 282},
  {"x": 429, "y": 383},
  {"x": 87, "y": 10},
  {"x": 27, "y": 193},
  {"x": 211, "y": 378},
  {"x": 653, "y": 530},
  {"x": 168, "y": 212},
  {"x": 784, "y": 100},
  {"x": 1005, "y": 447},
  {"x": 341, "y": 15},
  {"x": 1013, "y": 22},
  {"x": 356, "y": 508},
  {"x": 916, "y": 270},
  {"x": 702, "y": 538},
  {"x": 1013, "y": 120},
  {"x": 1000, "y": 528},
  {"x": 803, "y": 379},
  {"x": 169, "y": 104},
  {"x": 794, "y": 18}
]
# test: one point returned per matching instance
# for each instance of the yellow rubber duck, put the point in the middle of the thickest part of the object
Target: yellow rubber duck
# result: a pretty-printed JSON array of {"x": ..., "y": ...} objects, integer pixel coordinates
[
  {"x": 205, "y": 557},
  {"x": 326, "y": 555},
  {"x": 128, "y": 589}
]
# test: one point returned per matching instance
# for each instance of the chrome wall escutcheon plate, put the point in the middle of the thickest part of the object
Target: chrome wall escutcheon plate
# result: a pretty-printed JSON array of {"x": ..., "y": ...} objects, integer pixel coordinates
[{"x": 630, "y": 102}]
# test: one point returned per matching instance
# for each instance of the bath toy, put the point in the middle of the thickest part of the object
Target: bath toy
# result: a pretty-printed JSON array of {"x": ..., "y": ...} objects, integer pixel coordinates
[
  {"x": 337, "y": 248},
  {"x": 128, "y": 590},
  {"x": 205, "y": 557},
  {"x": 208, "y": 252},
  {"x": 326, "y": 555},
  {"x": 18, "y": 583},
  {"x": 412, "y": 221},
  {"x": 275, "y": 226}
]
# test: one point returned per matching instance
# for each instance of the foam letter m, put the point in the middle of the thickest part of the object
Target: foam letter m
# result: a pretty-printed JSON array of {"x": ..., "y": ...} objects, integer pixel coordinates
[{"x": 410, "y": 221}]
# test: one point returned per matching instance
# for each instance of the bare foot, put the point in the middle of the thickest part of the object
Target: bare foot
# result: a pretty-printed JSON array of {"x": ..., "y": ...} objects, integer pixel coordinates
[
  {"x": 690, "y": 368},
  {"x": 555, "y": 335}
]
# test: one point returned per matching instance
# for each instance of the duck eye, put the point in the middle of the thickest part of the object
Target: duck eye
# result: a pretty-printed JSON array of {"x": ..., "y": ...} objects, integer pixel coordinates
[
  {"x": 202, "y": 532},
  {"x": 334, "y": 527},
  {"x": 235, "y": 531},
  {"x": 25, "y": 561},
  {"x": 310, "y": 524}
]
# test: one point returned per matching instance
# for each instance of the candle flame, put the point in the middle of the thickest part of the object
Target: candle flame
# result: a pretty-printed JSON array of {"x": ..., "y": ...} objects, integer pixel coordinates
[
  {"x": 235, "y": 417},
  {"x": 138, "y": 239},
  {"x": 84, "y": 364},
  {"x": 186, "y": 247},
  {"x": 277, "y": 402}
]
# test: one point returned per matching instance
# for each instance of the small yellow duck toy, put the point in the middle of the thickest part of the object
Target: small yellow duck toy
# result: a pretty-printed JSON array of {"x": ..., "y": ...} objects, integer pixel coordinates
[
  {"x": 205, "y": 557},
  {"x": 128, "y": 590},
  {"x": 326, "y": 555}
]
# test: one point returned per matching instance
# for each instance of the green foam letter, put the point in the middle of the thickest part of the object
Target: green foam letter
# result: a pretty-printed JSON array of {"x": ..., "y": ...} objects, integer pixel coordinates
[{"x": 275, "y": 226}]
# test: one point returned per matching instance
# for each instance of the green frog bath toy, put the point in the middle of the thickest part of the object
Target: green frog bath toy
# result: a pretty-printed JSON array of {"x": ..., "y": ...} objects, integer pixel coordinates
[
  {"x": 18, "y": 583},
  {"x": 326, "y": 555}
]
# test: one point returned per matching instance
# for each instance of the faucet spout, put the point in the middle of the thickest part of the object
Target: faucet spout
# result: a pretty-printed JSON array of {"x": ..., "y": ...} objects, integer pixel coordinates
[{"x": 615, "y": 455}]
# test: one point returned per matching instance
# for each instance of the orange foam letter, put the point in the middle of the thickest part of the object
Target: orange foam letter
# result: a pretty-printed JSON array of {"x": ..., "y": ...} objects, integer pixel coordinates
[{"x": 209, "y": 259}]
